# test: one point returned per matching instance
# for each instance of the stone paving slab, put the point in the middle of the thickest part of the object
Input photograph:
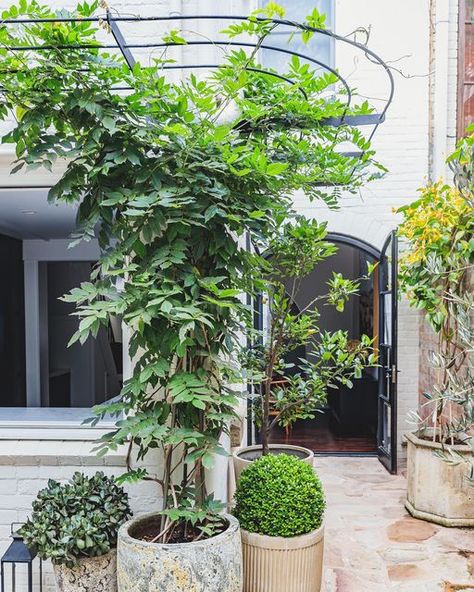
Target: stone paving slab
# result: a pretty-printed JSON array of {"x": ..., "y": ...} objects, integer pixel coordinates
[{"x": 373, "y": 545}]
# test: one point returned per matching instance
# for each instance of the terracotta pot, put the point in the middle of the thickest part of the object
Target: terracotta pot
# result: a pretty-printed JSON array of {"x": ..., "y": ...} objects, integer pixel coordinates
[
  {"x": 279, "y": 564},
  {"x": 437, "y": 491},
  {"x": 242, "y": 457},
  {"x": 91, "y": 573},
  {"x": 210, "y": 565}
]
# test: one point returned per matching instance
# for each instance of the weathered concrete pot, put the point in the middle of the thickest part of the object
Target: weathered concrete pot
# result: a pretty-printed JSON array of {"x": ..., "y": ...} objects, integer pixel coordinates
[
  {"x": 279, "y": 564},
  {"x": 242, "y": 457},
  {"x": 211, "y": 565},
  {"x": 437, "y": 491},
  {"x": 91, "y": 573}
]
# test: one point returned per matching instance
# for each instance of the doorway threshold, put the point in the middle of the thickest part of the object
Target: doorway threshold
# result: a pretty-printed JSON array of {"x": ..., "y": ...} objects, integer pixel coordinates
[{"x": 347, "y": 454}]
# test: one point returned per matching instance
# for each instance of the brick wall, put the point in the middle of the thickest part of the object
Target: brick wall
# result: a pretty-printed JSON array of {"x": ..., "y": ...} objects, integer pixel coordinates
[{"x": 26, "y": 466}]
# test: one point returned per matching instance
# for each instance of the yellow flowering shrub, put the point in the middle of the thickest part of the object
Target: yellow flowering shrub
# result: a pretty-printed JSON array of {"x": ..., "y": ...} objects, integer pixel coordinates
[{"x": 439, "y": 229}]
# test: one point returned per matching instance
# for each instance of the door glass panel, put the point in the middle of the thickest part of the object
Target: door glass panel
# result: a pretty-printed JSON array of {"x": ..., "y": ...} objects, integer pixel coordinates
[
  {"x": 386, "y": 424},
  {"x": 387, "y": 335}
]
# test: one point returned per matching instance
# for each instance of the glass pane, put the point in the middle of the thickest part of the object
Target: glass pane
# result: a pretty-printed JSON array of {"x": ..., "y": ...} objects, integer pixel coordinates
[
  {"x": 320, "y": 48},
  {"x": 386, "y": 426},
  {"x": 299, "y": 9},
  {"x": 468, "y": 105},
  {"x": 469, "y": 54},
  {"x": 386, "y": 370},
  {"x": 387, "y": 319}
]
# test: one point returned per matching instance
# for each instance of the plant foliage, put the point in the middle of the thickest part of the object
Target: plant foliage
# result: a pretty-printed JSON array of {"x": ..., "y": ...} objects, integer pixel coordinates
[
  {"x": 172, "y": 186},
  {"x": 279, "y": 495},
  {"x": 437, "y": 275},
  {"x": 78, "y": 519},
  {"x": 296, "y": 390}
]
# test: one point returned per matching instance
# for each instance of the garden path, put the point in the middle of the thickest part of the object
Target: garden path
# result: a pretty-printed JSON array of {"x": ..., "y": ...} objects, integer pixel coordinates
[{"x": 373, "y": 545}]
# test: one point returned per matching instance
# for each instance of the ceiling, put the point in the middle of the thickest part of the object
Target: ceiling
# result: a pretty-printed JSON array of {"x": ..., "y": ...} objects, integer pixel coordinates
[{"x": 26, "y": 214}]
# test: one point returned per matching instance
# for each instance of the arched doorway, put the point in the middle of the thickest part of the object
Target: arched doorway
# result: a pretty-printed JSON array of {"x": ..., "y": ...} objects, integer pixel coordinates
[{"x": 361, "y": 420}]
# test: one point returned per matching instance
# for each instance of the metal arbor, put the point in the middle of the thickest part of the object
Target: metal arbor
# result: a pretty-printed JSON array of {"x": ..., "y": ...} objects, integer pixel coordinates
[{"x": 114, "y": 22}]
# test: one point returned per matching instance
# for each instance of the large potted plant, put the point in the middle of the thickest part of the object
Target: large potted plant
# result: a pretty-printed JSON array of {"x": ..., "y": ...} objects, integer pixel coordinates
[
  {"x": 171, "y": 187},
  {"x": 75, "y": 525},
  {"x": 437, "y": 274},
  {"x": 280, "y": 506},
  {"x": 292, "y": 389}
]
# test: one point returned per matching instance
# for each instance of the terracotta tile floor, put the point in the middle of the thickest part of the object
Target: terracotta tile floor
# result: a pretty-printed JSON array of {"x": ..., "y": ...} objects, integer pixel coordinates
[{"x": 373, "y": 545}]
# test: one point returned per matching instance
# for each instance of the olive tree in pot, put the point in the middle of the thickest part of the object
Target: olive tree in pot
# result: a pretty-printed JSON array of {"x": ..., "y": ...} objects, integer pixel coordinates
[
  {"x": 75, "y": 525},
  {"x": 291, "y": 391},
  {"x": 437, "y": 274},
  {"x": 171, "y": 188},
  {"x": 280, "y": 506}
]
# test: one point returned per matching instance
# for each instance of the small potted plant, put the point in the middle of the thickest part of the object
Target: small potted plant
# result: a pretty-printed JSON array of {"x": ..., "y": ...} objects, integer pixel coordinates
[
  {"x": 75, "y": 525},
  {"x": 437, "y": 275},
  {"x": 288, "y": 386},
  {"x": 280, "y": 506}
]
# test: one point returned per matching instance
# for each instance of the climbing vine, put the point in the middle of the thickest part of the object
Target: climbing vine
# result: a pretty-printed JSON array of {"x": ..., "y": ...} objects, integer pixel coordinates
[{"x": 171, "y": 186}]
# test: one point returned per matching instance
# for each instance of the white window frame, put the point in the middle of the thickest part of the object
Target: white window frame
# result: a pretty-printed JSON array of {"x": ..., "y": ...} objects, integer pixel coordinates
[{"x": 331, "y": 18}]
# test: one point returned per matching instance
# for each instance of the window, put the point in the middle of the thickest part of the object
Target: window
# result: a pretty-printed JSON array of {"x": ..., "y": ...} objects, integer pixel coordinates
[
  {"x": 465, "y": 66},
  {"x": 37, "y": 368},
  {"x": 321, "y": 47}
]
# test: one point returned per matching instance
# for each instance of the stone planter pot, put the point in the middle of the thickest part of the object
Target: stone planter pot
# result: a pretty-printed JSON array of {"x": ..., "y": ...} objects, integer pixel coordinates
[
  {"x": 278, "y": 564},
  {"x": 242, "y": 457},
  {"x": 437, "y": 491},
  {"x": 91, "y": 573},
  {"x": 211, "y": 565}
]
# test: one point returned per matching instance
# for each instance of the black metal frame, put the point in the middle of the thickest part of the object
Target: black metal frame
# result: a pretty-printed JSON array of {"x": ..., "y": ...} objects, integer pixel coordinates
[
  {"x": 125, "y": 48},
  {"x": 388, "y": 371},
  {"x": 352, "y": 241}
]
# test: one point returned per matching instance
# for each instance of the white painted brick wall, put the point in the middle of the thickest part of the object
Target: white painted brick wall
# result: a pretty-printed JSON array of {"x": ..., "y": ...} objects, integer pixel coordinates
[{"x": 23, "y": 473}]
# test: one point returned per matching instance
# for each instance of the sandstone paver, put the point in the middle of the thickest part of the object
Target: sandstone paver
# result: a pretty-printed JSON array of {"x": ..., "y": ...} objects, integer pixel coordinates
[{"x": 373, "y": 545}]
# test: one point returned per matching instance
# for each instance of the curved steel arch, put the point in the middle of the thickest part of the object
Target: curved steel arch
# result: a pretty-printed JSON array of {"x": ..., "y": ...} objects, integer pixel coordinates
[
  {"x": 125, "y": 48},
  {"x": 357, "y": 243}
]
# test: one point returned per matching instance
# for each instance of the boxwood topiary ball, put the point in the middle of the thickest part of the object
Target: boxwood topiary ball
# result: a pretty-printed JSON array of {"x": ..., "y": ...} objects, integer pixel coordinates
[{"x": 279, "y": 495}]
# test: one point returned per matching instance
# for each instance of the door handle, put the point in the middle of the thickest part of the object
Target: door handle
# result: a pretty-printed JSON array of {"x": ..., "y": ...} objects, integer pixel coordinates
[{"x": 394, "y": 372}]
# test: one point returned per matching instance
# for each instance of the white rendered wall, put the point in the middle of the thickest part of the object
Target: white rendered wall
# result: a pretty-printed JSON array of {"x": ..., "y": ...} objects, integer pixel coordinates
[{"x": 26, "y": 465}]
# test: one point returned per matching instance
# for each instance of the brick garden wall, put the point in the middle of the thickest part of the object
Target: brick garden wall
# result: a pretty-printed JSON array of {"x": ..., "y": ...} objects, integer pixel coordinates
[{"x": 26, "y": 466}]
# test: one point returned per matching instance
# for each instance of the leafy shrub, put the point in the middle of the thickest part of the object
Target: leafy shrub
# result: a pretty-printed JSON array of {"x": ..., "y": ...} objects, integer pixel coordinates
[
  {"x": 279, "y": 495},
  {"x": 77, "y": 519}
]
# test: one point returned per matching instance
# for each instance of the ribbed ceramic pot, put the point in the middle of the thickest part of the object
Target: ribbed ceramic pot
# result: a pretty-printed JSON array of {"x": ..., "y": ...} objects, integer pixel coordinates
[
  {"x": 242, "y": 457},
  {"x": 280, "y": 564},
  {"x": 438, "y": 491},
  {"x": 210, "y": 565},
  {"x": 91, "y": 574}
]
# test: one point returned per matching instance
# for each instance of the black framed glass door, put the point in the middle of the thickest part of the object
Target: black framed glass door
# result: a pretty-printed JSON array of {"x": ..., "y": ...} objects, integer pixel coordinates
[{"x": 387, "y": 384}]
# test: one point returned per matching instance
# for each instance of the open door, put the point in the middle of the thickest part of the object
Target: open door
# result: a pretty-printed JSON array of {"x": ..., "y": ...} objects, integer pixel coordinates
[{"x": 387, "y": 390}]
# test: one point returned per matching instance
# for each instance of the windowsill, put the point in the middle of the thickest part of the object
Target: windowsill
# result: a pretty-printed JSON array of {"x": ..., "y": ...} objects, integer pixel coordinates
[{"x": 35, "y": 423}]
